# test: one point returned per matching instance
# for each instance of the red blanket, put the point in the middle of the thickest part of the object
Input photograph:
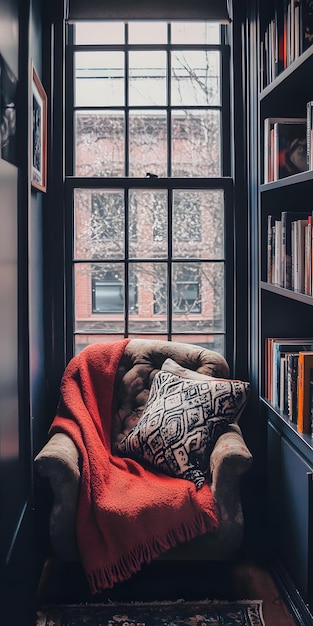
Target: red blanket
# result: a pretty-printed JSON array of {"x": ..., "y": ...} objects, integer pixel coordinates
[{"x": 127, "y": 515}]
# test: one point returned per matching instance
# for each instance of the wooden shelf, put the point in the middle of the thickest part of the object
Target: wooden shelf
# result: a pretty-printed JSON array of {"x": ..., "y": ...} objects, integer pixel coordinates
[
  {"x": 289, "y": 181},
  {"x": 287, "y": 293},
  {"x": 303, "y": 442},
  {"x": 292, "y": 80}
]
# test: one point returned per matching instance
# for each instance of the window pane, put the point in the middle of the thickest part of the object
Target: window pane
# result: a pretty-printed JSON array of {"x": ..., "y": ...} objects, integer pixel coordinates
[
  {"x": 198, "y": 224},
  {"x": 195, "y": 78},
  {"x": 99, "y": 78},
  {"x": 99, "y": 224},
  {"x": 196, "y": 143},
  {"x": 147, "y": 143},
  {"x": 99, "y": 32},
  {"x": 199, "y": 292},
  {"x": 186, "y": 289},
  {"x": 191, "y": 32},
  {"x": 99, "y": 143},
  {"x": 147, "y": 78},
  {"x": 108, "y": 296},
  {"x": 108, "y": 291},
  {"x": 148, "y": 210},
  {"x": 151, "y": 281},
  {"x": 83, "y": 340},
  {"x": 212, "y": 342},
  {"x": 103, "y": 311},
  {"x": 147, "y": 32}
]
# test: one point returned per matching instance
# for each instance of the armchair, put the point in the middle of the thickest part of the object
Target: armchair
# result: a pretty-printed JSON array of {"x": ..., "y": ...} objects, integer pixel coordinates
[{"x": 60, "y": 460}]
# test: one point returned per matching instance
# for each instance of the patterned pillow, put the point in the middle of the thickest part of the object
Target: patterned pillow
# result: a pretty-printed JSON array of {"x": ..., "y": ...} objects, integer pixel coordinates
[{"x": 182, "y": 420}]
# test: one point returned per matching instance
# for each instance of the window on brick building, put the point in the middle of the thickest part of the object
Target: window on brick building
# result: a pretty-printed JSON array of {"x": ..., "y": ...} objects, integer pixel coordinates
[
  {"x": 108, "y": 292},
  {"x": 148, "y": 178}
]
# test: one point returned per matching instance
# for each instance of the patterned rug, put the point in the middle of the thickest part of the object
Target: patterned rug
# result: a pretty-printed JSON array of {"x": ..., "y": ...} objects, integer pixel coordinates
[{"x": 180, "y": 613}]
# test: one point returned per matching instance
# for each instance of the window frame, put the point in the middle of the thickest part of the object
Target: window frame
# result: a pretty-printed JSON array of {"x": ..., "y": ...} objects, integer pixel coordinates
[{"x": 224, "y": 183}]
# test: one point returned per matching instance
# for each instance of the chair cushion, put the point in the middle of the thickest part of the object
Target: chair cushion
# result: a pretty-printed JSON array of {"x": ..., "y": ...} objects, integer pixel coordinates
[{"x": 185, "y": 414}]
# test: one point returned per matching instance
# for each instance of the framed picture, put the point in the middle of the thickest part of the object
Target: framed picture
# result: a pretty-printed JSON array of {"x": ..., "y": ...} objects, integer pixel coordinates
[{"x": 38, "y": 134}]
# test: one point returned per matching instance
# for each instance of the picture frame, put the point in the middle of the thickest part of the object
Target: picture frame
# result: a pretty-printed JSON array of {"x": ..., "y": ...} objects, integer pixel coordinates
[{"x": 38, "y": 133}]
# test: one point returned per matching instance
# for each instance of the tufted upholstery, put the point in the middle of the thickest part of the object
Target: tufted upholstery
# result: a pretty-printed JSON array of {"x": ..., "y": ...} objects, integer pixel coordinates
[
  {"x": 138, "y": 366},
  {"x": 59, "y": 459}
]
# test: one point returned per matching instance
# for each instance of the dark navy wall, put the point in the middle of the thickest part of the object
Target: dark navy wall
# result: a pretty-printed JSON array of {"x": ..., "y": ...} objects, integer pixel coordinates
[{"x": 22, "y": 358}]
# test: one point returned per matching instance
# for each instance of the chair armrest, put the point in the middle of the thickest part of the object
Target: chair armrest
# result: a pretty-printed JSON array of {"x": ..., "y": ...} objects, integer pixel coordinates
[
  {"x": 59, "y": 462},
  {"x": 230, "y": 458}
]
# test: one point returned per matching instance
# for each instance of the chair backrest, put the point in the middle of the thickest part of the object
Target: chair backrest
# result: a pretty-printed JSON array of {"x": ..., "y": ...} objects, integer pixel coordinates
[{"x": 141, "y": 360}]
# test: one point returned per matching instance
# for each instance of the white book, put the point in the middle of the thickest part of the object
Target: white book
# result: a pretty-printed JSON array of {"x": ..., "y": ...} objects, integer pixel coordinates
[
  {"x": 277, "y": 266},
  {"x": 299, "y": 254},
  {"x": 309, "y": 134}
]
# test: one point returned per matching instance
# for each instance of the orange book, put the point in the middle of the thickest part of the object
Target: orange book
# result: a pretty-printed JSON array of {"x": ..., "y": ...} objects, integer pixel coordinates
[{"x": 305, "y": 375}]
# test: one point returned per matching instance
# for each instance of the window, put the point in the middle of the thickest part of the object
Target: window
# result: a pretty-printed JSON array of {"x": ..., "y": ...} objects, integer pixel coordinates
[
  {"x": 185, "y": 291},
  {"x": 147, "y": 164},
  {"x": 108, "y": 292}
]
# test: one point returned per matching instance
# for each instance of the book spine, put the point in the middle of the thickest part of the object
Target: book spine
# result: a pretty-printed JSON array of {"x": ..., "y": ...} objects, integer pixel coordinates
[
  {"x": 303, "y": 421},
  {"x": 293, "y": 256},
  {"x": 275, "y": 152},
  {"x": 292, "y": 373},
  {"x": 269, "y": 249},
  {"x": 308, "y": 257},
  {"x": 311, "y": 407},
  {"x": 283, "y": 251},
  {"x": 277, "y": 266},
  {"x": 297, "y": 28},
  {"x": 300, "y": 393},
  {"x": 306, "y": 24},
  {"x": 299, "y": 255},
  {"x": 312, "y": 256},
  {"x": 309, "y": 134}
]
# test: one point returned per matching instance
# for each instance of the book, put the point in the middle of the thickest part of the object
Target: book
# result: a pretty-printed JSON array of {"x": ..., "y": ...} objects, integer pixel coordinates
[
  {"x": 292, "y": 386},
  {"x": 309, "y": 134},
  {"x": 311, "y": 408},
  {"x": 290, "y": 149},
  {"x": 296, "y": 18},
  {"x": 279, "y": 39},
  {"x": 287, "y": 217},
  {"x": 275, "y": 347},
  {"x": 268, "y": 141},
  {"x": 288, "y": 384},
  {"x": 306, "y": 24},
  {"x": 305, "y": 375},
  {"x": 308, "y": 257},
  {"x": 298, "y": 254},
  {"x": 277, "y": 254},
  {"x": 284, "y": 147},
  {"x": 282, "y": 383},
  {"x": 269, "y": 270}
]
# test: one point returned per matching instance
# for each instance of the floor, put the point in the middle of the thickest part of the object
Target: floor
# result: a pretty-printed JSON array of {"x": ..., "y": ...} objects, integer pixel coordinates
[
  {"x": 257, "y": 582},
  {"x": 160, "y": 581}
]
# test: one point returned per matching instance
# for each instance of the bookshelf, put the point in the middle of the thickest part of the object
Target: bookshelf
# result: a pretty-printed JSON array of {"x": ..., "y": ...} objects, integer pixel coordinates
[{"x": 285, "y": 312}]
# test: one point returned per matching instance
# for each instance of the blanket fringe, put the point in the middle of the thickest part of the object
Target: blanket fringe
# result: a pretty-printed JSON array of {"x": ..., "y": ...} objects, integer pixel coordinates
[{"x": 109, "y": 574}]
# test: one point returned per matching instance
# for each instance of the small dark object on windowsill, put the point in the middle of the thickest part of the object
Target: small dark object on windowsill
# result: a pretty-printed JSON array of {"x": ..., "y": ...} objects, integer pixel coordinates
[{"x": 149, "y": 175}]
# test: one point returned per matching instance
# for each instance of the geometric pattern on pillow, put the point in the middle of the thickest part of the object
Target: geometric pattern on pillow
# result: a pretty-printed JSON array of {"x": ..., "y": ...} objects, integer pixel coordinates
[{"x": 181, "y": 423}]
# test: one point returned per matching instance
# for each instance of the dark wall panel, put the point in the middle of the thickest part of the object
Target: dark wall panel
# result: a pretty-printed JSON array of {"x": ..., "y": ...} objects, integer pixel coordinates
[
  {"x": 22, "y": 371},
  {"x": 9, "y": 33},
  {"x": 9, "y": 416},
  {"x": 10, "y": 447},
  {"x": 35, "y": 267}
]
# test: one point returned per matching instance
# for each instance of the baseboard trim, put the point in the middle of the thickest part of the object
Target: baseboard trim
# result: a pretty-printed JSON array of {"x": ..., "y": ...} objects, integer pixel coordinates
[{"x": 290, "y": 594}]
